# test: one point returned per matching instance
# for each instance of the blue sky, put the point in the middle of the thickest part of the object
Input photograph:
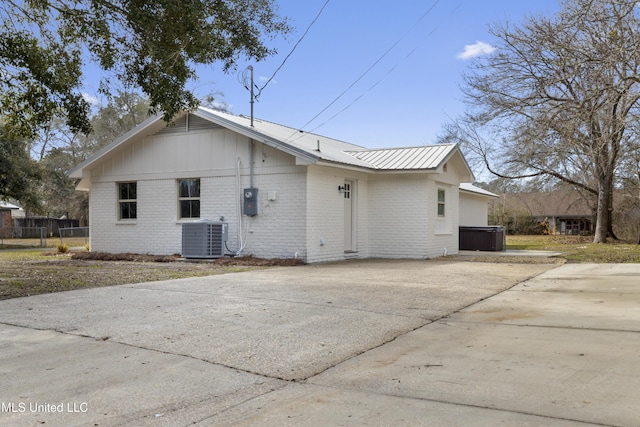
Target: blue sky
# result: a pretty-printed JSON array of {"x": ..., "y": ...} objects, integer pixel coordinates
[{"x": 404, "y": 99}]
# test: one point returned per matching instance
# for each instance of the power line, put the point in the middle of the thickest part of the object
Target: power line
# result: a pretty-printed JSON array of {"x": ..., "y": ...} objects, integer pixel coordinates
[
  {"x": 372, "y": 65},
  {"x": 391, "y": 70},
  {"x": 293, "y": 49}
]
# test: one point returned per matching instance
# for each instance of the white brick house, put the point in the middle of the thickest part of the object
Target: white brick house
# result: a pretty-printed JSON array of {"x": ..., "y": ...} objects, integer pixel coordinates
[{"x": 319, "y": 199}]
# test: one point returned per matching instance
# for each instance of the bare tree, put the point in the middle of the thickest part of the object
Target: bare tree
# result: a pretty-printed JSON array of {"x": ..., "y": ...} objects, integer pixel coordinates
[
  {"x": 629, "y": 171},
  {"x": 557, "y": 97},
  {"x": 61, "y": 150}
]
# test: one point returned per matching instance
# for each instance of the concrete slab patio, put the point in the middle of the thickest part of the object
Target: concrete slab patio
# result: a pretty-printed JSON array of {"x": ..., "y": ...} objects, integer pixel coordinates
[{"x": 435, "y": 342}]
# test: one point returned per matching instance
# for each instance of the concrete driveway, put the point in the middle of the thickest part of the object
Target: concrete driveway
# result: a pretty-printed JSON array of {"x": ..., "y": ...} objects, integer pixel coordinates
[{"x": 358, "y": 343}]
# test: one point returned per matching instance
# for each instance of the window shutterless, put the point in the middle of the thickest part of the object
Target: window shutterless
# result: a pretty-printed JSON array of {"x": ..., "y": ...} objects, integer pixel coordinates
[
  {"x": 127, "y": 200},
  {"x": 189, "y": 198},
  {"x": 441, "y": 199}
]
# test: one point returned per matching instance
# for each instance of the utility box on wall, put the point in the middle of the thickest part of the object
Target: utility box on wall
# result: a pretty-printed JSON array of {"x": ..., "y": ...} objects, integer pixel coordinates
[{"x": 250, "y": 206}]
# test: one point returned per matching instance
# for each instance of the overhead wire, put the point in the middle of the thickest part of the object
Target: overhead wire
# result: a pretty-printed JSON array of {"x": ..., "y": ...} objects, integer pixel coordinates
[
  {"x": 376, "y": 62},
  {"x": 292, "y": 50},
  {"x": 391, "y": 70}
]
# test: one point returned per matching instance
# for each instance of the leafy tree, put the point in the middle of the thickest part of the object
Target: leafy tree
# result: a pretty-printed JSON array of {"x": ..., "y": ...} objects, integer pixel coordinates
[
  {"x": 153, "y": 46},
  {"x": 557, "y": 98},
  {"x": 18, "y": 172}
]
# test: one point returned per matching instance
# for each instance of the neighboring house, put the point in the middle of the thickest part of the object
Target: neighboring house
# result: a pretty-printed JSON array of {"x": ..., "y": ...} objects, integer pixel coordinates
[
  {"x": 570, "y": 212},
  {"x": 565, "y": 212},
  {"x": 316, "y": 198},
  {"x": 6, "y": 220}
]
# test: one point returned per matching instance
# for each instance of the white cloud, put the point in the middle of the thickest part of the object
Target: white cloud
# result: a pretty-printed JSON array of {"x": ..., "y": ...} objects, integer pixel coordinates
[
  {"x": 476, "y": 49},
  {"x": 91, "y": 99}
]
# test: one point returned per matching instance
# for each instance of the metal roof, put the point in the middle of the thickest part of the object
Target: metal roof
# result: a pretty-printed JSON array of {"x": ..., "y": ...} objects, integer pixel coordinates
[
  {"x": 295, "y": 141},
  {"x": 310, "y": 148},
  {"x": 318, "y": 147},
  {"x": 407, "y": 158},
  {"x": 7, "y": 205},
  {"x": 477, "y": 190}
]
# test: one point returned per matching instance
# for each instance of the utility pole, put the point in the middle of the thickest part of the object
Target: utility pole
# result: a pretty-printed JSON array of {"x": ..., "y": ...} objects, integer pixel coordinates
[{"x": 250, "y": 68}]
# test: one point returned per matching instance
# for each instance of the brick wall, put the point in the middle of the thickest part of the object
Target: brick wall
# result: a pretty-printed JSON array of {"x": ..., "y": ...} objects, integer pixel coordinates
[
  {"x": 442, "y": 232},
  {"x": 277, "y": 231},
  {"x": 325, "y": 215},
  {"x": 395, "y": 215},
  {"x": 403, "y": 221},
  {"x": 5, "y": 223},
  {"x": 398, "y": 216}
]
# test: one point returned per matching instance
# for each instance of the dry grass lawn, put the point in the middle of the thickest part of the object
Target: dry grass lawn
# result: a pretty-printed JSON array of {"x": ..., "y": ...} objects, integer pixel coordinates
[
  {"x": 35, "y": 271},
  {"x": 579, "y": 248},
  {"x": 25, "y": 272}
]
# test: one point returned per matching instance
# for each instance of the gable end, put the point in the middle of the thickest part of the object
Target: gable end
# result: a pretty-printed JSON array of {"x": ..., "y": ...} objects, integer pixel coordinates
[{"x": 188, "y": 123}]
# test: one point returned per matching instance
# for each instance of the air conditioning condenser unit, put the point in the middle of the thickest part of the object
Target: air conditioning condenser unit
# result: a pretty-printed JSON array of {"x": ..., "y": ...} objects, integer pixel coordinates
[{"x": 204, "y": 239}]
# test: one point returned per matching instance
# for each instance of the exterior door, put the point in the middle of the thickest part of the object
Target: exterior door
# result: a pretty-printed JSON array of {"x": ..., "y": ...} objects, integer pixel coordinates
[{"x": 348, "y": 216}]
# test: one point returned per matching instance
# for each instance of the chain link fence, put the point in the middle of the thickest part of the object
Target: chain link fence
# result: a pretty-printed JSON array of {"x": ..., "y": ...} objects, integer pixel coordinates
[
  {"x": 24, "y": 236},
  {"x": 74, "y": 236},
  {"x": 41, "y": 237}
]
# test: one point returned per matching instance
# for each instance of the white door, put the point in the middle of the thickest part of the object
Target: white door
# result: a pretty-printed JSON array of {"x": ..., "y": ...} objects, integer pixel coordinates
[{"x": 348, "y": 216}]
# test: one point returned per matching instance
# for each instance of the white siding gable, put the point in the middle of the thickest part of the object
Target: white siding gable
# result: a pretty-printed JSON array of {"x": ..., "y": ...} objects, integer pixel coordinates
[{"x": 218, "y": 157}]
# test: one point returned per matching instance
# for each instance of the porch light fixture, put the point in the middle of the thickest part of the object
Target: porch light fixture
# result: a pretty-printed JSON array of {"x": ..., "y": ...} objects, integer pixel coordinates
[{"x": 341, "y": 189}]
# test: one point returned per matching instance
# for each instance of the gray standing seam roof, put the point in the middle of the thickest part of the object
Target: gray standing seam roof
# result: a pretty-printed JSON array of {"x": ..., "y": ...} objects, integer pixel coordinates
[
  {"x": 311, "y": 146},
  {"x": 407, "y": 158}
]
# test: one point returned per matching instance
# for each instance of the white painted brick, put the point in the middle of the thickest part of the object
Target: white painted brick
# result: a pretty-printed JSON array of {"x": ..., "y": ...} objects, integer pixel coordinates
[{"x": 395, "y": 214}]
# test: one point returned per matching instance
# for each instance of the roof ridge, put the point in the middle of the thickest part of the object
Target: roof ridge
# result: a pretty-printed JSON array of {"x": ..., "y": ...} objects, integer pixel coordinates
[
  {"x": 296, "y": 130},
  {"x": 448, "y": 144}
]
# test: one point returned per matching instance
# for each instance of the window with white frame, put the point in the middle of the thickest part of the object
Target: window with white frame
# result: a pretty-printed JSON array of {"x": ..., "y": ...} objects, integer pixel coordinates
[
  {"x": 127, "y": 200},
  {"x": 441, "y": 202},
  {"x": 189, "y": 198}
]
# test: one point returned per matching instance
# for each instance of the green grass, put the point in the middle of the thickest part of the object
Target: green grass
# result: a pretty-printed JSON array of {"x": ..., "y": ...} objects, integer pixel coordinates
[{"x": 578, "y": 249}]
